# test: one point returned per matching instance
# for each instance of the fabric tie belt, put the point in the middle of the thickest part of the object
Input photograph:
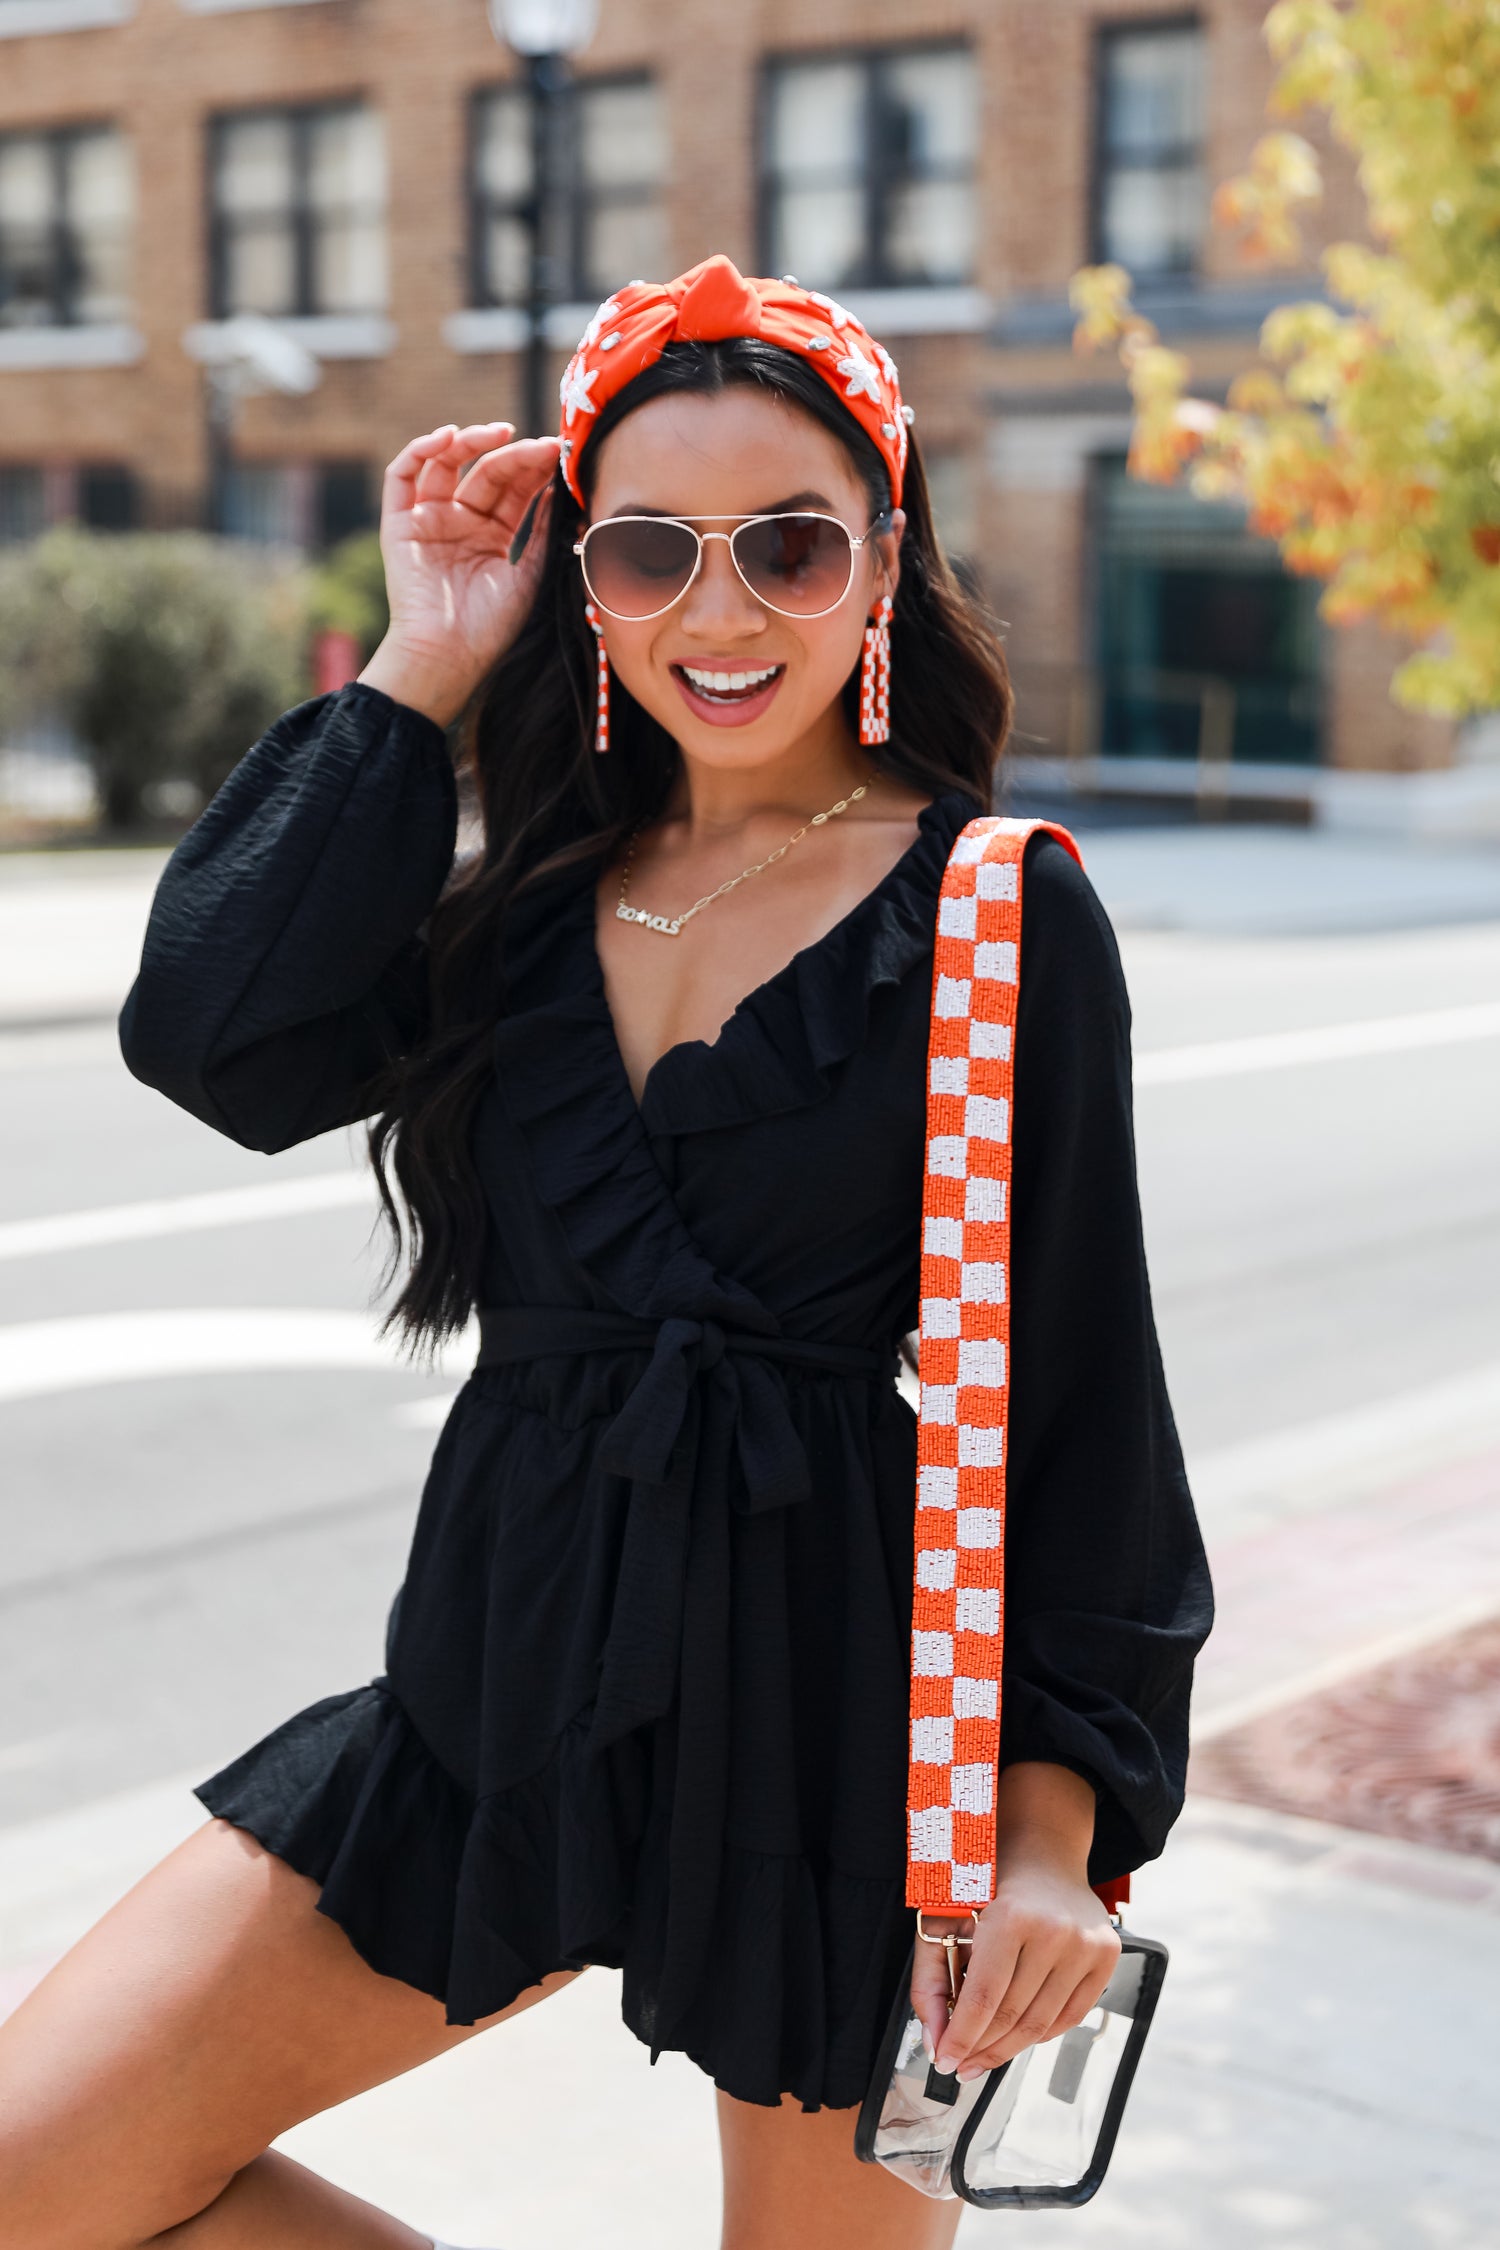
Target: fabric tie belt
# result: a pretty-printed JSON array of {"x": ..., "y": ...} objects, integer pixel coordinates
[{"x": 706, "y": 1429}]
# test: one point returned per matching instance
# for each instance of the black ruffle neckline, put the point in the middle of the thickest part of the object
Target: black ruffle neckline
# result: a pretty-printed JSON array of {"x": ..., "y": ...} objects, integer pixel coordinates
[
  {"x": 775, "y": 1052},
  {"x": 562, "y": 1077}
]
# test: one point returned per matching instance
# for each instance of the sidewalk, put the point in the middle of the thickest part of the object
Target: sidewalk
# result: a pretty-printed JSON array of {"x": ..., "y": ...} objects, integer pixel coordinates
[
  {"x": 1281, "y": 882},
  {"x": 1324, "y": 2072},
  {"x": 71, "y": 922}
]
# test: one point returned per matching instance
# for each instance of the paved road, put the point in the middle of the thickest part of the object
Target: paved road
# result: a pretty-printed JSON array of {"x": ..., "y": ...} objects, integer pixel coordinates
[{"x": 202, "y": 1521}]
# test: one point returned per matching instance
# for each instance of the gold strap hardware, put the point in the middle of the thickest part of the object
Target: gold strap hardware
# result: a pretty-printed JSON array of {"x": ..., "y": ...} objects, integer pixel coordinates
[{"x": 950, "y": 1941}]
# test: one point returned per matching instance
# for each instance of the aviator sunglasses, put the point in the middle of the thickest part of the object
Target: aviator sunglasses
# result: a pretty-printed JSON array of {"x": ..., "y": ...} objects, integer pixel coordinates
[{"x": 800, "y": 563}]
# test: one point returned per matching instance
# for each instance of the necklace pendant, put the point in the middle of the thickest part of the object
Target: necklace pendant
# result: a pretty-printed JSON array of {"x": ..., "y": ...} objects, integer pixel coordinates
[{"x": 647, "y": 921}]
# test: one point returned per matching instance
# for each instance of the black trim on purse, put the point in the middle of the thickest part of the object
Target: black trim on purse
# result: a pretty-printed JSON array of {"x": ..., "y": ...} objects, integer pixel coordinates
[{"x": 940, "y": 2131}]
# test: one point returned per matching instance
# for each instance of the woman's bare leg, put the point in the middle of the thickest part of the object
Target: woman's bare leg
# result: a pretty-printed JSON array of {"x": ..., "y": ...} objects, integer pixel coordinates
[
  {"x": 792, "y": 2181},
  {"x": 212, "y": 2009}
]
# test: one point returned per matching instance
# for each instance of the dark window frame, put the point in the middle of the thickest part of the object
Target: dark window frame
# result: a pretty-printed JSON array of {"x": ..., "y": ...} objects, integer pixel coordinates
[
  {"x": 481, "y": 206},
  {"x": 582, "y": 202},
  {"x": 301, "y": 215},
  {"x": 877, "y": 192},
  {"x": 64, "y": 267},
  {"x": 1105, "y": 36}
]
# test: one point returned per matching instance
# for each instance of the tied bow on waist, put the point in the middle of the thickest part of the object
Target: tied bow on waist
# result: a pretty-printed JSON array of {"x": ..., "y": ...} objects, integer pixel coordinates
[{"x": 707, "y": 1429}]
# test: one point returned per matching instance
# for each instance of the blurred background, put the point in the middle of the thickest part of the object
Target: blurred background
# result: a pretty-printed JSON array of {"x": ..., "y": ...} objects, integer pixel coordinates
[{"x": 247, "y": 247}]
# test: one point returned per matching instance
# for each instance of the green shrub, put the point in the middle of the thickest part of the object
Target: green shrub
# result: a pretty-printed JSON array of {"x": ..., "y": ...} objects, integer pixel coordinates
[
  {"x": 348, "y": 592},
  {"x": 166, "y": 654}
]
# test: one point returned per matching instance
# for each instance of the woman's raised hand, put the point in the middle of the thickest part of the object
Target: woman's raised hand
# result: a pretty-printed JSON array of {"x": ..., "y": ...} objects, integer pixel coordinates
[{"x": 453, "y": 502}]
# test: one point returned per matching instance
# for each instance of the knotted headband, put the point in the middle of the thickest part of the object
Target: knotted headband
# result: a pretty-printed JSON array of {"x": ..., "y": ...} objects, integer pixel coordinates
[
  {"x": 958, "y": 1605},
  {"x": 708, "y": 304}
]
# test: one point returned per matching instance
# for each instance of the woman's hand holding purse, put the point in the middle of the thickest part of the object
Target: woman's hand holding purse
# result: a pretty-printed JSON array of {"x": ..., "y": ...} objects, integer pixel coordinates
[{"x": 1041, "y": 1953}]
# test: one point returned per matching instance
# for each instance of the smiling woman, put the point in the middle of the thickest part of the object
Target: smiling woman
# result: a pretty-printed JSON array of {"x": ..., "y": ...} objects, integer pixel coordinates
[{"x": 647, "y": 1691}]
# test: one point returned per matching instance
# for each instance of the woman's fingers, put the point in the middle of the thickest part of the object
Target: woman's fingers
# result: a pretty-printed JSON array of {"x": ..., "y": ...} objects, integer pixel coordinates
[
  {"x": 1040, "y": 2017},
  {"x": 416, "y": 466},
  {"x": 992, "y": 1964},
  {"x": 440, "y": 473},
  {"x": 480, "y": 467},
  {"x": 929, "y": 1990},
  {"x": 398, "y": 489},
  {"x": 1046, "y": 1995},
  {"x": 994, "y": 1991},
  {"x": 503, "y": 481}
]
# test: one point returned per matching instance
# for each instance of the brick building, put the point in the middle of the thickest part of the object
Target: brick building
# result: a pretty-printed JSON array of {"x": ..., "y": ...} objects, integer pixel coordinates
[{"x": 358, "y": 170}]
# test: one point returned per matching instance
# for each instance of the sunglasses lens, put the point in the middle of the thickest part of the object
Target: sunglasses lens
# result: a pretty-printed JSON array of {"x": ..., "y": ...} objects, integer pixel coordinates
[
  {"x": 797, "y": 564},
  {"x": 635, "y": 566}
]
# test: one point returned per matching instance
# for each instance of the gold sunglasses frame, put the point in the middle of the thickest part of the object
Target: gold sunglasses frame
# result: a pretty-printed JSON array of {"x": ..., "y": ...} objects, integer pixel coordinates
[{"x": 741, "y": 523}]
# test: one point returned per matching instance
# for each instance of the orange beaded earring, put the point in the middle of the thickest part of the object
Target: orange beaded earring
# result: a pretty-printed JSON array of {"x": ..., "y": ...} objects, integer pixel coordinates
[
  {"x": 875, "y": 677},
  {"x": 601, "y": 720}
]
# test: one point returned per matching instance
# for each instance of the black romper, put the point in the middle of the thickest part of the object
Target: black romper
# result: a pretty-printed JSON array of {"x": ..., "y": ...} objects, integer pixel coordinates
[{"x": 646, "y": 1682}]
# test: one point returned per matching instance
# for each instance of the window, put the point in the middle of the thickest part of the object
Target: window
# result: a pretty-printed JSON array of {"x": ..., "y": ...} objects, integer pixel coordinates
[
  {"x": 1152, "y": 199},
  {"x": 66, "y": 212},
  {"x": 302, "y": 504},
  {"x": 612, "y": 225},
  {"x": 346, "y": 499},
  {"x": 299, "y": 212},
  {"x": 953, "y": 489},
  {"x": 868, "y": 169},
  {"x": 1198, "y": 629},
  {"x": 23, "y": 502},
  {"x": 102, "y": 494},
  {"x": 620, "y": 229},
  {"x": 108, "y": 497}
]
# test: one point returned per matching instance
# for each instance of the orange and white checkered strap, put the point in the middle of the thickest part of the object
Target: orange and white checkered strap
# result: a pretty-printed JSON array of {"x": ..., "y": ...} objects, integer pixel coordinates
[{"x": 958, "y": 1607}]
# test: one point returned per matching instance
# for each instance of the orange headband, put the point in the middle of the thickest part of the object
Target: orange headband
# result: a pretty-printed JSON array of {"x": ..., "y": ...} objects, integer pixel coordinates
[{"x": 714, "y": 301}]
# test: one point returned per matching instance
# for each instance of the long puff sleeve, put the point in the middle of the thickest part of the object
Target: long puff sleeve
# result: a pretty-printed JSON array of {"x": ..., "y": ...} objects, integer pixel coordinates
[
  {"x": 1108, "y": 1597},
  {"x": 283, "y": 962}
]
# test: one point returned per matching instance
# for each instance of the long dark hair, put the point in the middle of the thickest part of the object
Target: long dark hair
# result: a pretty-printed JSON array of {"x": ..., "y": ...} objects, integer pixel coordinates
[{"x": 545, "y": 801}]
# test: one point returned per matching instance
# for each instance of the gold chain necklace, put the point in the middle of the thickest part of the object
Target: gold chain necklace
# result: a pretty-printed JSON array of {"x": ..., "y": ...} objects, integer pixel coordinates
[{"x": 672, "y": 926}]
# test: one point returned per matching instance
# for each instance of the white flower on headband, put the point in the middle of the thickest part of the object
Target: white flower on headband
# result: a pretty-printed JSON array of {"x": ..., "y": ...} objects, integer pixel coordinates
[
  {"x": 836, "y": 313},
  {"x": 860, "y": 375},
  {"x": 597, "y": 326},
  {"x": 886, "y": 361},
  {"x": 574, "y": 391}
]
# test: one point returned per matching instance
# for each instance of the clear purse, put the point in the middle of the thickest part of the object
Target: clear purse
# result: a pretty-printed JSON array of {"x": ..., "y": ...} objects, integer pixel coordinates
[{"x": 1036, "y": 2132}]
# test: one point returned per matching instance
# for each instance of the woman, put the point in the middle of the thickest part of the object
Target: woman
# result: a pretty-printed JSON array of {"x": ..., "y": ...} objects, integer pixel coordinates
[{"x": 647, "y": 1076}]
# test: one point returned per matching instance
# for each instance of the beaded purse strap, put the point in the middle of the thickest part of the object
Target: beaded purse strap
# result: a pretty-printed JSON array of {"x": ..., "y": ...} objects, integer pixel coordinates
[{"x": 958, "y": 1604}]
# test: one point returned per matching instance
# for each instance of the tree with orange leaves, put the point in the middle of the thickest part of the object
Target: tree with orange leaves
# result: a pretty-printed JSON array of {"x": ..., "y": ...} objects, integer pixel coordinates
[{"x": 1366, "y": 443}]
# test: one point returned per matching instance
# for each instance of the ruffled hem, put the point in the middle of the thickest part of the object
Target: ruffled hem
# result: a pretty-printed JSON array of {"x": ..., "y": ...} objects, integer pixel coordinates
[{"x": 474, "y": 1901}]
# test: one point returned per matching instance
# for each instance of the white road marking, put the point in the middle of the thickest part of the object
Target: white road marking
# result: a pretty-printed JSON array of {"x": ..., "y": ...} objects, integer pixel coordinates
[
  {"x": 326, "y": 1191},
  {"x": 38, "y": 1357},
  {"x": 1331, "y": 1042},
  {"x": 184, "y": 1214}
]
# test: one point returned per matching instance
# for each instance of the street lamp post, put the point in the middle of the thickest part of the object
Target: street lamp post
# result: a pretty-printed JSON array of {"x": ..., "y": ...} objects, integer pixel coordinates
[
  {"x": 545, "y": 34},
  {"x": 242, "y": 357}
]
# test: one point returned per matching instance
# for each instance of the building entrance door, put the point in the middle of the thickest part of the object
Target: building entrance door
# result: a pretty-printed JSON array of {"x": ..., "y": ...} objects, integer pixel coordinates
[{"x": 1206, "y": 646}]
